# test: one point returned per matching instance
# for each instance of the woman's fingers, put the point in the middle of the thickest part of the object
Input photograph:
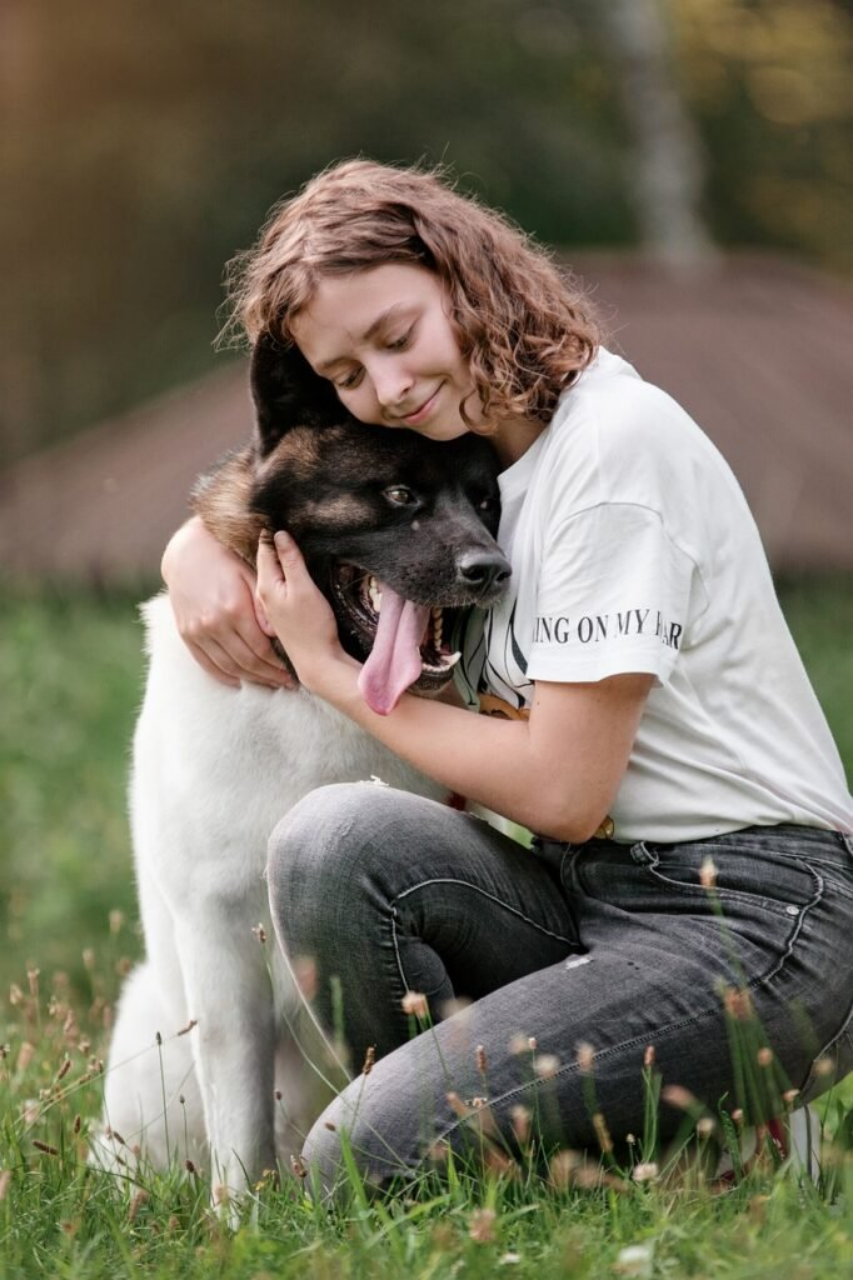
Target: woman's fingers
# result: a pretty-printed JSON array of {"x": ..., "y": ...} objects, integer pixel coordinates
[{"x": 230, "y": 646}]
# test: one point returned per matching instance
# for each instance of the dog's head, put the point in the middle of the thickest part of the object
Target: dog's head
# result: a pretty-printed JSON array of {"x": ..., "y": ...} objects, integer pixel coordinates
[{"x": 396, "y": 530}]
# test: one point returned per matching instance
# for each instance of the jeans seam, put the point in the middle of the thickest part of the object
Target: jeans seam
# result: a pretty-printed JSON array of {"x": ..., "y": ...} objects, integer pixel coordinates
[
  {"x": 801, "y": 919},
  {"x": 825, "y": 1051},
  {"x": 465, "y": 884}
]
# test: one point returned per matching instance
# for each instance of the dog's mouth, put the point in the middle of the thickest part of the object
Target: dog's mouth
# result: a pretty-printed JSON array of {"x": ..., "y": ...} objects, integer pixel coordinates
[{"x": 407, "y": 643}]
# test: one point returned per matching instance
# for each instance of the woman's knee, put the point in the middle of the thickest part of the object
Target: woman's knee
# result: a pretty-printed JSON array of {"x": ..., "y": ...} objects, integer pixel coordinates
[{"x": 335, "y": 834}]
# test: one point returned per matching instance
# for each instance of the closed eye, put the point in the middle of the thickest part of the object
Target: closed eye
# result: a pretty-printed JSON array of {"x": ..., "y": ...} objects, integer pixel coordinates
[
  {"x": 349, "y": 380},
  {"x": 401, "y": 343}
]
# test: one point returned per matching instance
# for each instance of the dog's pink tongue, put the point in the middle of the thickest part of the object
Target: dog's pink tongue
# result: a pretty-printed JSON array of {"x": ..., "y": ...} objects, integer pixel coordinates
[{"x": 395, "y": 659}]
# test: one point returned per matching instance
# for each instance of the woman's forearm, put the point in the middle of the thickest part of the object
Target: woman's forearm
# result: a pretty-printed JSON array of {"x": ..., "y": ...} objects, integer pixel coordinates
[{"x": 511, "y": 767}]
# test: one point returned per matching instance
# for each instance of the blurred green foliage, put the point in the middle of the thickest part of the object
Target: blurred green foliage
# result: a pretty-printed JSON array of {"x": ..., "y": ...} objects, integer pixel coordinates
[
  {"x": 144, "y": 143},
  {"x": 71, "y": 671}
]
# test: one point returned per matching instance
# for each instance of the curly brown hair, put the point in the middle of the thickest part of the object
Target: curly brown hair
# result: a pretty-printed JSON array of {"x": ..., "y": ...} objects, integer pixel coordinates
[{"x": 523, "y": 323}]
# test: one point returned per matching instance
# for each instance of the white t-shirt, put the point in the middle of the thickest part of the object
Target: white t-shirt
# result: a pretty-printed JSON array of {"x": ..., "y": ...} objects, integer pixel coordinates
[{"x": 633, "y": 550}]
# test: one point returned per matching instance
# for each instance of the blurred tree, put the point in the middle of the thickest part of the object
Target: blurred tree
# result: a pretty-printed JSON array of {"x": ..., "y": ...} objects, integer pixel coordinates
[{"x": 667, "y": 164}]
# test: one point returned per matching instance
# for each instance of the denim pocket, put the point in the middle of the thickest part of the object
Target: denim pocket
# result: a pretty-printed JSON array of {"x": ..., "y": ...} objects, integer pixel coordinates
[{"x": 782, "y": 885}]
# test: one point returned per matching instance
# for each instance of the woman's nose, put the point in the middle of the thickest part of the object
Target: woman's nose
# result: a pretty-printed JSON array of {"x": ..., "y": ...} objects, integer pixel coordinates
[{"x": 391, "y": 381}]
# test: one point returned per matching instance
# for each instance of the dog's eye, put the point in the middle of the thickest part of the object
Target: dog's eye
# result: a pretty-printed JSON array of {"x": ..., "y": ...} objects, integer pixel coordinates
[{"x": 400, "y": 496}]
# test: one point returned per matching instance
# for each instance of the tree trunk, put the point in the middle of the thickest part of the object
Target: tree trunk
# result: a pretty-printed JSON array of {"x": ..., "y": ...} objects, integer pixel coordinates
[{"x": 668, "y": 165}]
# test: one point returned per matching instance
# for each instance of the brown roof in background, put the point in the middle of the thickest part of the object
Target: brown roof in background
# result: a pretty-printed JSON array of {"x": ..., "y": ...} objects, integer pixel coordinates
[{"x": 758, "y": 350}]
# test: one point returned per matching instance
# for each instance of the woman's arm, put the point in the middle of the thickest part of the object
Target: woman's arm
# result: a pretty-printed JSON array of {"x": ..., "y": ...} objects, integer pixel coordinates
[
  {"x": 556, "y": 773},
  {"x": 212, "y": 592}
]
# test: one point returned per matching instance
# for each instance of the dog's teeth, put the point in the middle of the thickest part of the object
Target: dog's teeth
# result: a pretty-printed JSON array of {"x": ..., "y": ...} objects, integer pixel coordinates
[
  {"x": 375, "y": 594},
  {"x": 436, "y": 612}
]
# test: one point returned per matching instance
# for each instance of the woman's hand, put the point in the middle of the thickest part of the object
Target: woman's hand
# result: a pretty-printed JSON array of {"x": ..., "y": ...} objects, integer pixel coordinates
[
  {"x": 298, "y": 612},
  {"x": 212, "y": 592}
]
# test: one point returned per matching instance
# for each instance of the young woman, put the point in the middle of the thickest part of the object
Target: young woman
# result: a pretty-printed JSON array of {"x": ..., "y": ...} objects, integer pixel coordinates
[{"x": 693, "y": 870}]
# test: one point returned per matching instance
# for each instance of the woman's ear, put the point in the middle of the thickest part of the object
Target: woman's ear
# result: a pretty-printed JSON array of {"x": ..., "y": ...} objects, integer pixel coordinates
[{"x": 288, "y": 393}]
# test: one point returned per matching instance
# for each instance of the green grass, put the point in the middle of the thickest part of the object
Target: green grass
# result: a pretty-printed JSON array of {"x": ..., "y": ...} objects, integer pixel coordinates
[{"x": 71, "y": 676}]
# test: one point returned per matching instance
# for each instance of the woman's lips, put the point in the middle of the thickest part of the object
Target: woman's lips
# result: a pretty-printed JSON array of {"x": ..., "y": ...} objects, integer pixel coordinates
[{"x": 420, "y": 415}]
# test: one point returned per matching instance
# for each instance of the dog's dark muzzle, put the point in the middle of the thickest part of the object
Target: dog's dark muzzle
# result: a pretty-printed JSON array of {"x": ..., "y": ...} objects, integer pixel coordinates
[{"x": 487, "y": 572}]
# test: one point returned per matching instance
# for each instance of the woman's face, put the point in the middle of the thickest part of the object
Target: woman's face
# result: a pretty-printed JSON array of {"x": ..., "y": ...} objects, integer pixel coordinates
[{"x": 384, "y": 339}]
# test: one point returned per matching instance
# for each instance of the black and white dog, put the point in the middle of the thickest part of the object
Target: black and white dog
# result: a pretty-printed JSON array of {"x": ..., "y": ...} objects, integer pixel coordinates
[{"x": 398, "y": 532}]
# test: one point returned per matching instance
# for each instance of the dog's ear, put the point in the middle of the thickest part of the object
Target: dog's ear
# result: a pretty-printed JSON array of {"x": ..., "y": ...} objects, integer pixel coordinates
[{"x": 288, "y": 393}]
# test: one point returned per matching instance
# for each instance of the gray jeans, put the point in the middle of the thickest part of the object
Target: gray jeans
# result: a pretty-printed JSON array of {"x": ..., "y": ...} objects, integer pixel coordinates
[{"x": 603, "y": 945}]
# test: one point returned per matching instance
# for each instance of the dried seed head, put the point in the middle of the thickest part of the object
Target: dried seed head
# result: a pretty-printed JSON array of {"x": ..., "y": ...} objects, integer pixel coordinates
[
  {"x": 518, "y": 1044},
  {"x": 45, "y": 1147},
  {"x": 369, "y": 1060},
  {"x": 299, "y": 1167},
  {"x": 63, "y": 1070},
  {"x": 738, "y": 1003},
  {"x": 708, "y": 874},
  {"x": 136, "y": 1204},
  {"x": 458, "y": 1005},
  {"x": 679, "y": 1097},
  {"x": 585, "y": 1057},
  {"x": 602, "y": 1133},
  {"x": 562, "y": 1169},
  {"x": 546, "y": 1065},
  {"x": 481, "y": 1059},
  {"x": 89, "y": 958},
  {"x": 415, "y": 1004},
  {"x": 789, "y": 1097},
  {"x": 824, "y": 1067},
  {"x": 520, "y": 1119},
  {"x": 457, "y": 1106},
  {"x": 16, "y": 995},
  {"x": 184, "y": 1031},
  {"x": 737, "y": 1117},
  {"x": 189, "y": 1166},
  {"x": 5, "y": 1179},
  {"x": 764, "y": 1056},
  {"x": 438, "y": 1151},
  {"x": 645, "y": 1172},
  {"x": 635, "y": 1260},
  {"x": 705, "y": 1127},
  {"x": 305, "y": 975},
  {"x": 78, "y": 1123},
  {"x": 649, "y": 1057},
  {"x": 33, "y": 980},
  {"x": 116, "y": 921},
  {"x": 478, "y": 1103},
  {"x": 531, "y": 1044},
  {"x": 26, "y": 1053},
  {"x": 481, "y": 1226},
  {"x": 630, "y": 1139}
]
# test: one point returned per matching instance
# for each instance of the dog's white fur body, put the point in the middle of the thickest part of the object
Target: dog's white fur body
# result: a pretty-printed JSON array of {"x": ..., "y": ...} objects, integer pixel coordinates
[{"x": 214, "y": 769}]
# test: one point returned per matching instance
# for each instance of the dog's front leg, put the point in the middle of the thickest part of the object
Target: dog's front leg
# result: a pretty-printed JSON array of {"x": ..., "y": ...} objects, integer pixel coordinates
[{"x": 229, "y": 994}]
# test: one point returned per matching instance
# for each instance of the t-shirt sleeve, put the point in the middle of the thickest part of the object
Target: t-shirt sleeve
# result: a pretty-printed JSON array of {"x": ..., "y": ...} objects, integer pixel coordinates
[{"x": 613, "y": 597}]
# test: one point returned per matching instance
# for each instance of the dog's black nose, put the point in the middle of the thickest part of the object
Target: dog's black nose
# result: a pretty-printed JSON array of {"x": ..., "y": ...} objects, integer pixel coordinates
[{"x": 483, "y": 569}]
